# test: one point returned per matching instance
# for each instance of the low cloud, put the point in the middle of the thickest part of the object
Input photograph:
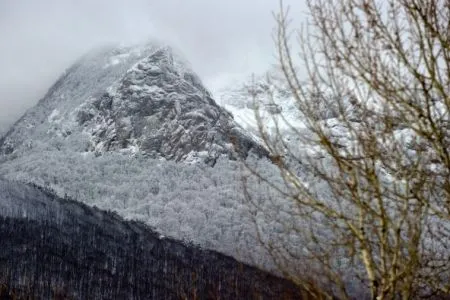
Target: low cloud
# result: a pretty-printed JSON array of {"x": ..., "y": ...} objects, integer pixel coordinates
[{"x": 39, "y": 39}]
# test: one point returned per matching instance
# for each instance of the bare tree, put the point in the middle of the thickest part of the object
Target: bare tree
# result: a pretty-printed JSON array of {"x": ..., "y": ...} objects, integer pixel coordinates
[{"x": 369, "y": 174}]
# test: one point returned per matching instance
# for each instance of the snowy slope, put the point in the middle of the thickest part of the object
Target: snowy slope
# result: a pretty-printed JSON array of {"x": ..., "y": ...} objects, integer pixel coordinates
[
  {"x": 109, "y": 134},
  {"x": 266, "y": 94},
  {"x": 144, "y": 101},
  {"x": 400, "y": 143},
  {"x": 89, "y": 76},
  {"x": 131, "y": 99}
]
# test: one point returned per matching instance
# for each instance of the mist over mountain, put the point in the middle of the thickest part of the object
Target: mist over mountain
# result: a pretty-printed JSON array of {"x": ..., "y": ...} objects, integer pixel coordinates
[
  {"x": 137, "y": 99},
  {"x": 39, "y": 40},
  {"x": 3, "y": 127}
]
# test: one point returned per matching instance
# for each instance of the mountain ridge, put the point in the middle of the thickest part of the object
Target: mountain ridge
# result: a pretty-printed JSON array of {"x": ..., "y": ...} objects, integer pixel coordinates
[{"x": 132, "y": 99}]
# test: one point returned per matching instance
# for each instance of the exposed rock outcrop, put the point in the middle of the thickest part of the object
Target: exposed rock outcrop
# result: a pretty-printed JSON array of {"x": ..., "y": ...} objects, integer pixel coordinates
[{"x": 134, "y": 99}]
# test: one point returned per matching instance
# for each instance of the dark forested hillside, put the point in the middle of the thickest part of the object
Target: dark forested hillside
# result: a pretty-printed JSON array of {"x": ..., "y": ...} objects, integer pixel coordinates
[{"x": 58, "y": 248}]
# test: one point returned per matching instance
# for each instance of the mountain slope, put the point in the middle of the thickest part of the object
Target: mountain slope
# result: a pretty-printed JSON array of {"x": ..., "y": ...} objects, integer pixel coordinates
[
  {"x": 138, "y": 99},
  {"x": 144, "y": 101},
  {"x": 54, "y": 247}
]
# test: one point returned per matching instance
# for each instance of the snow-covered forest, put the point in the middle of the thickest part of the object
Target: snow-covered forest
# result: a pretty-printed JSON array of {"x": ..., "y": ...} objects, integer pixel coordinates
[{"x": 192, "y": 202}]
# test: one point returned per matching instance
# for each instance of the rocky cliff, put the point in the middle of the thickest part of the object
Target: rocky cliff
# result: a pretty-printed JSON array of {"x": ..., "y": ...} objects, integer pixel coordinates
[{"x": 132, "y": 99}]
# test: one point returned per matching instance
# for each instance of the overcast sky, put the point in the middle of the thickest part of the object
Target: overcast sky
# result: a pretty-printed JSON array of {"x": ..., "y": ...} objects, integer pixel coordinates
[{"x": 222, "y": 39}]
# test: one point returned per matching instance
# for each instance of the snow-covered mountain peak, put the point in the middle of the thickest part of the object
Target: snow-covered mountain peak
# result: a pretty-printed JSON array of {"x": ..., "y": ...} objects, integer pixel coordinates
[{"x": 142, "y": 99}]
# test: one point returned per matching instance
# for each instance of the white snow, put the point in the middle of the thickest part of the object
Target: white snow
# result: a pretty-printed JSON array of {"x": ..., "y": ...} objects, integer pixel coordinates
[
  {"x": 117, "y": 59},
  {"x": 53, "y": 117}
]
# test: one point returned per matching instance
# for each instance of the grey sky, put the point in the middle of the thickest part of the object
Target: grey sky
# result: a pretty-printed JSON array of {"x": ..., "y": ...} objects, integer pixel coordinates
[{"x": 39, "y": 38}]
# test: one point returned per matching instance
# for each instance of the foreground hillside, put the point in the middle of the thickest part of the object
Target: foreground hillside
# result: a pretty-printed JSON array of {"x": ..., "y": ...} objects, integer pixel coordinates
[{"x": 53, "y": 247}]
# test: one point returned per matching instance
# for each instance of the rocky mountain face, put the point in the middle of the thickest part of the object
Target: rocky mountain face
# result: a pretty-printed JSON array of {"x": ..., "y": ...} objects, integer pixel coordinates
[
  {"x": 137, "y": 99},
  {"x": 55, "y": 248}
]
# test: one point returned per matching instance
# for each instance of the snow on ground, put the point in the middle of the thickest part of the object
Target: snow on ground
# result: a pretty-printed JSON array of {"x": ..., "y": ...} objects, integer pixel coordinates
[{"x": 247, "y": 118}]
